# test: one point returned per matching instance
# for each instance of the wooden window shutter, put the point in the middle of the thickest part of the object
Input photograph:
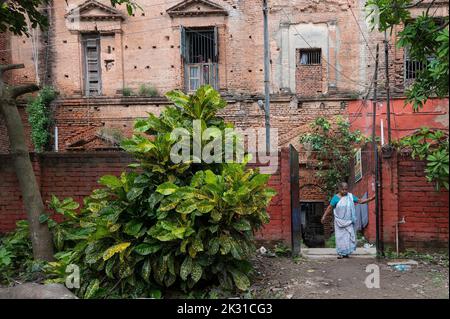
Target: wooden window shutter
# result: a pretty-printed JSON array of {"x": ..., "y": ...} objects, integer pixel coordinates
[
  {"x": 183, "y": 46},
  {"x": 216, "y": 44},
  {"x": 92, "y": 67}
]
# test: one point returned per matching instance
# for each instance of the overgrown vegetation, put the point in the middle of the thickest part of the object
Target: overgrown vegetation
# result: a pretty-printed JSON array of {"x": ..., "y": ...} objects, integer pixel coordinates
[
  {"x": 148, "y": 90},
  {"x": 333, "y": 145},
  {"x": 112, "y": 135},
  {"x": 126, "y": 91},
  {"x": 427, "y": 258},
  {"x": 424, "y": 38},
  {"x": 39, "y": 117},
  {"x": 16, "y": 257},
  {"x": 160, "y": 225},
  {"x": 432, "y": 146}
]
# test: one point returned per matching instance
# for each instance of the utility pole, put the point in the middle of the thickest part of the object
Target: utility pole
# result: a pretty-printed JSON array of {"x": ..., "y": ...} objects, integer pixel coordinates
[
  {"x": 266, "y": 76},
  {"x": 375, "y": 152},
  {"x": 388, "y": 95}
]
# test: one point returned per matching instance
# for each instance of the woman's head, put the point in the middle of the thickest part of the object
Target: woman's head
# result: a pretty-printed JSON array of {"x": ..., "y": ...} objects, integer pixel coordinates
[{"x": 343, "y": 188}]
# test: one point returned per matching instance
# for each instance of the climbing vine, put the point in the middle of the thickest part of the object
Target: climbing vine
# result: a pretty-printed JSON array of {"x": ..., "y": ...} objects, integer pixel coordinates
[
  {"x": 431, "y": 146},
  {"x": 333, "y": 145},
  {"x": 39, "y": 117}
]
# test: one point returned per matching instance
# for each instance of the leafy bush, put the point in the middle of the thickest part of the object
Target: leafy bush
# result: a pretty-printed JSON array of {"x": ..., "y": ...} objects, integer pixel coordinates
[
  {"x": 148, "y": 90},
  {"x": 126, "y": 91},
  {"x": 164, "y": 224},
  {"x": 433, "y": 147},
  {"x": 39, "y": 117},
  {"x": 282, "y": 250},
  {"x": 15, "y": 253},
  {"x": 333, "y": 145}
]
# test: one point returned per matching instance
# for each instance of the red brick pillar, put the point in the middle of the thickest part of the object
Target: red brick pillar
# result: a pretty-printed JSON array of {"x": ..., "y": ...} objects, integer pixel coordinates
[{"x": 390, "y": 203}]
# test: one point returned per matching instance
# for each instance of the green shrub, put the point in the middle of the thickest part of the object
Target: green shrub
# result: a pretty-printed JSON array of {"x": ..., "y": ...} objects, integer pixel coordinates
[
  {"x": 282, "y": 250},
  {"x": 39, "y": 117},
  {"x": 126, "y": 91},
  {"x": 15, "y": 253},
  {"x": 164, "y": 224},
  {"x": 148, "y": 90},
  {"x": 331, "y": 242}
]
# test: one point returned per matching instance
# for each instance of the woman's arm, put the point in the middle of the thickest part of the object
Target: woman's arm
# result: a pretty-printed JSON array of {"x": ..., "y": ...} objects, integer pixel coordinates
[
  {"x": 327, "y": 212},
  {"x": 364, "y": 201}
]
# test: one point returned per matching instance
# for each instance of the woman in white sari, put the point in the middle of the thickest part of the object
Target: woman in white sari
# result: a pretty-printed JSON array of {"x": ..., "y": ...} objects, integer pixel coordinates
[{"x": 343, "y": 205}]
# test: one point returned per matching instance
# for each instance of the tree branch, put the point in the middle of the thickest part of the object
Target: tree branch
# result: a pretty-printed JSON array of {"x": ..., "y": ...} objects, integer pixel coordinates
[
  {"x": 429, "y": 6},
  {"x": 442, "y": 27},
  {"x": 412, "y": 5},
  {"x": 23, "y": 89}
]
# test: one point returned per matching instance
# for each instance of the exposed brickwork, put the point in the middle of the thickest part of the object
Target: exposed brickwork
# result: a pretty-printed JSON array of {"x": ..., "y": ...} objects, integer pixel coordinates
[
  {"x": 405, "y": 193},
  {"x": 425, "y": 210},
  {"x": 309, "y": 79},
  {"x": 76, "y": 174}
]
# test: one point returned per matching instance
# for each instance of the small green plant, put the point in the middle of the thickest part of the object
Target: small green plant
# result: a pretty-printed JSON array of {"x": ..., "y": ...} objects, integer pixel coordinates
[
  {"x": 15, "y": 253},
  {"x": 148, "y": 90},
  {"x": 126, "y": 91},
  {"x": 39, "y": 117},
  {"x": 111, "y": 134},
  {"x": 281, "y": 249},
  {"x": 331, "y": 242}
]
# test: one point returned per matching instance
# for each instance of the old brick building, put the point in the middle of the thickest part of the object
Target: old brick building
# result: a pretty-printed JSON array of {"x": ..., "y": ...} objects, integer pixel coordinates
[{"x": 99, "y": 59}]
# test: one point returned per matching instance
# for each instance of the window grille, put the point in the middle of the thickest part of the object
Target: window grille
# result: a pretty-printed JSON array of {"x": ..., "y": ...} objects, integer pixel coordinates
[{"x": 310, "y": 56}]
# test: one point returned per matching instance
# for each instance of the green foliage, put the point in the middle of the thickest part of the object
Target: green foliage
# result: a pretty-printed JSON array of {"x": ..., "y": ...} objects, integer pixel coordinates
[
  {"x": 331, "y": 242},
  {"x": 427, "y": 43},
  {"x": 39, "y": 117},
  {"x": 333, "y": 146},
  {"x": 431, "y": 146},
  {"x": 15, "y": 253},
  {"x": 281, "y": 249},
  {"x": 127, "y": 91},
  {"x": 148, "y": 90},
  {"x": 15, "y": 13},
  {"x": 162, "y": 224}
]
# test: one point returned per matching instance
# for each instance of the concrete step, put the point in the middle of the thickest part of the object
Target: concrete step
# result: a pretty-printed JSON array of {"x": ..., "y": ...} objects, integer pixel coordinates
[{"x": 314, "y": 253}]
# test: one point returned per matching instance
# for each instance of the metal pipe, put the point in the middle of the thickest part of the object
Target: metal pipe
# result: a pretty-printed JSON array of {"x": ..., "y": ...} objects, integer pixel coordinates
[
  {"x": 375, "y": 151},
  {"x": 266, "y": 76},
  {"x": 388, "y": 94}
]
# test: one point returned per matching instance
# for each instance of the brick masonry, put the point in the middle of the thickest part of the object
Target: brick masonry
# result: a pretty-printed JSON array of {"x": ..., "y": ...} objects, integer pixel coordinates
[
  {"x": 405, "y": 193},
  {"x": 76, "y": 174}
]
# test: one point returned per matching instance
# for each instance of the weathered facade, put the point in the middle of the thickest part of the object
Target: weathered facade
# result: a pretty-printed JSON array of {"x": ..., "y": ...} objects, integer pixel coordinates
[{"x": 322, "y": 59}]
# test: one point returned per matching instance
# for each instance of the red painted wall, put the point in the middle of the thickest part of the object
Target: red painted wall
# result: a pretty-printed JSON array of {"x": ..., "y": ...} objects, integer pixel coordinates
[
  {"x": 407, "y": 194},
  {"x": 404, "y": 121}
]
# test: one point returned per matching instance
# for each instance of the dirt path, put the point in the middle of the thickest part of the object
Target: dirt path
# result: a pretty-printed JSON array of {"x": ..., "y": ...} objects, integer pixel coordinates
[{"x": 282, "y": 277}]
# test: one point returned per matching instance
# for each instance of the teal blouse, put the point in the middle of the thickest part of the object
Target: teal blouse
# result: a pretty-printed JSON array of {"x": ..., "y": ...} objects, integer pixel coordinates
[{"x": 336, "y": 200}]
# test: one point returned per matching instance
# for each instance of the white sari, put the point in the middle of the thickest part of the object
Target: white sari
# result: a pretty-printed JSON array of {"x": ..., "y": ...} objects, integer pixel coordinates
[{"x": 344, "y": 225}]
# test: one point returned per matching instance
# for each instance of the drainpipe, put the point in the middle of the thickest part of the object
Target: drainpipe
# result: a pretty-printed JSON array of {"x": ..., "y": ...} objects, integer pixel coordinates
[
  {"x": 380, "y": 211},
  {"x": 56, "y": 139}
]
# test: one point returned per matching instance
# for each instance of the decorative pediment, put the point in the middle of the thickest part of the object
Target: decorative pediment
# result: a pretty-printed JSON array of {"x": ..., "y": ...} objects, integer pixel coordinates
[
  {"x": 94, "y": 10},
  {"x": 196, "y": 8}
]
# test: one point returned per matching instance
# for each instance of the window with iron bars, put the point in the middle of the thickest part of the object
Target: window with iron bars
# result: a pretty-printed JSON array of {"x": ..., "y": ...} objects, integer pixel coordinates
[
  {"x": 412, "y": 67},
  {"x": 199, "y": 49},
  {"x": 310, "y": 56}
]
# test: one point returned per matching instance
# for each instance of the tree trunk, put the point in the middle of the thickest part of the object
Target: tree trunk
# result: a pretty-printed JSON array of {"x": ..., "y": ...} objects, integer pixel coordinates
[{"x": 39, "y": 233}]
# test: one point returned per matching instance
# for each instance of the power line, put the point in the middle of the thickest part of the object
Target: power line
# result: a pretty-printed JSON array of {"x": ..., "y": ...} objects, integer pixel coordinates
[
  {"x": 360, "y": 29},
  {"x": 332, "y": 66}
]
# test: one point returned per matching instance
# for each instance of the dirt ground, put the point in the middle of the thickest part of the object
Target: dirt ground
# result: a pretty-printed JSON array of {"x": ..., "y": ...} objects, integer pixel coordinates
[{"x": 284, "y": 277}]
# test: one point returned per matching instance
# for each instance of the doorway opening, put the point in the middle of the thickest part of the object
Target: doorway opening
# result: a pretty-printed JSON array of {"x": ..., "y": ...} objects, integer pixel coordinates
[{"x": 312, "y": 229}]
